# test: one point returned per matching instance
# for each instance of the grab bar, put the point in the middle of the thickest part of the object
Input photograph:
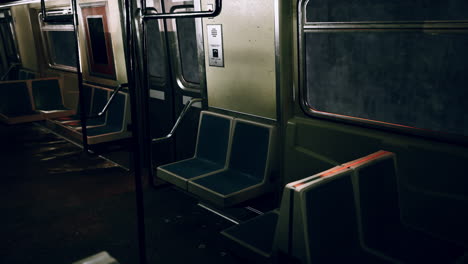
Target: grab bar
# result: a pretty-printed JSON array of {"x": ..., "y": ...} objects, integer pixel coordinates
[
  {"x": 12, "y": 66},
  {"x": 179, "y": 119},
  {"x": 61, "y": 17},
  {"x": 111, "y": 99},
  {"x": 198, "y": 14}
]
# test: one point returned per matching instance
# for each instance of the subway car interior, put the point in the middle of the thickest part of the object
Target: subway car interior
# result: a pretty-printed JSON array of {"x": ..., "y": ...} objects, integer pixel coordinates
[{"x": 234, "y": 131}]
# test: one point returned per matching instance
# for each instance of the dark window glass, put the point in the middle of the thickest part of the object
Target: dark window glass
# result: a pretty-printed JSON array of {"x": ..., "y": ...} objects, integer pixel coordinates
[
  {"x": 156, "y": 60},
  {"x": 410, "y": 78},
  {"x": 98, "y": 40},
  {"x": 385, "y": 10},
  {"x": 8, "y": 41},
  {"x": 62, "y": 47},
  {"x": 7, "y": 38},
  {"x": 187, "y": 39}
]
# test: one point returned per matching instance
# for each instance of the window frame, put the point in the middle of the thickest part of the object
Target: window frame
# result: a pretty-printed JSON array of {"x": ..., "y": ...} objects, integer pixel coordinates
[
  {"x": 8, "y": 19},
  {"x": 99, "y": 70},
  {"x": 182, "y": 83},
  {"x": 46, "y": 27},
  {"x": 362, "y": 26},
  {"x": 159, "y": 80}
]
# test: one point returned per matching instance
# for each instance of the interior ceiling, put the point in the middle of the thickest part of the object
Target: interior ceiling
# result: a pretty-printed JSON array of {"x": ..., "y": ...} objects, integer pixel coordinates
[{"x": 7, "y": 3}]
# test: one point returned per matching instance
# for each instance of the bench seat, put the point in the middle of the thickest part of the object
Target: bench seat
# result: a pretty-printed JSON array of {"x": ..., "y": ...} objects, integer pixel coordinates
[
  {"x": 248, "y": 172},
  {"x": 347, "y": 214},
  {"x": 227, "y": 182},
  {"x": 112, "y": 125},
  {"x": 16, "y": 103},
  {"x": 180, "y": 172},
  {"x": 48, "y": 99},
  {"x": 211, "y": 153}
]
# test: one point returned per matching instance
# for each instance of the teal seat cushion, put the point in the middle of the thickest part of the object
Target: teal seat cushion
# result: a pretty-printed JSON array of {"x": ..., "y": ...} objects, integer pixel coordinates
[
  {"x": 14, "y": 99},
  {"x": 98, "y": 131},
  {"x": 212, "y": 148},
  {"x": 89, "y": 122},
  {"x": 47, "y": 95},
  {"x": 227, "y": 182},
  {"x": 192, "y": 167},
  {"x": 249, "y": 152},
  {"x": 26, "y": 75},
  {"x": 115, "y": 117},
  {"x": 213, "y": 138}
]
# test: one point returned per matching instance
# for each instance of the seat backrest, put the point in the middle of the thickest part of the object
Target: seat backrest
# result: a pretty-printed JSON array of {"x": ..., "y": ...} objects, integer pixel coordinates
[
  {"x": 376, "y": 191},
  {"x": 330, "y": 215},
  {"x": 14, "y": 98},
  {"x": 99, "y": 100},
  {"x": 251, "y": 144},
  {"x": 24, "y": 74},
  {"x": 47, "y": 94},
  {"x": 116, "y": 112},
  {"x": 321, "y": 215},
  {"x": 213, "y": 137}
]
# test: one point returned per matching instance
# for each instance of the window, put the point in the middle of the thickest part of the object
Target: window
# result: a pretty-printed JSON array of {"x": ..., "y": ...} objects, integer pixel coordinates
[
  {"x": 155, "y": 48},
  {"x": 188, "y": 49},
  {"x": 99, "y": 42},
  {"x": 385, "y": 10},
  {"x": 59, "y": 44},
  {"x": 8, "y": 36},
  {"x": 404, "y": 75}
]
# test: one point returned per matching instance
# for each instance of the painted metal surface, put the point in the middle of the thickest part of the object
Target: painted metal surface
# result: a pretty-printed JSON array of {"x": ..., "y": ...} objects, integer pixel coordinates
[{"x": 247, "y": 83}]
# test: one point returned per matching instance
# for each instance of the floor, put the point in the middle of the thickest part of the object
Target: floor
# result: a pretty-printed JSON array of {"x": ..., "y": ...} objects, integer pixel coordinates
[{"x": 59, "y": 205}]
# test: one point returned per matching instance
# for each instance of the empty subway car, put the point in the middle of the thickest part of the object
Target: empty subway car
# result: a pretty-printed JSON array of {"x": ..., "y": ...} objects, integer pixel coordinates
[{"x": 310, "y": 131}]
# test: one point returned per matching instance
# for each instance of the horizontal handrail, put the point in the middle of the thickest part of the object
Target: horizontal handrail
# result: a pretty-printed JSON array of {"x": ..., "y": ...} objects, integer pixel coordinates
[
  {"x": 111, "y": 99},
  {"x": 61, "y": 17},
  {"x": 12, "y": 66},
  {"x": 192, "y": 14},
  {"x": 179, "y": 119}
]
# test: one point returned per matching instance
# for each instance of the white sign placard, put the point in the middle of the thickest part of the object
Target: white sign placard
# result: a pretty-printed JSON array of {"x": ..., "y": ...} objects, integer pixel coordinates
[{"x": 215, "y": 45}]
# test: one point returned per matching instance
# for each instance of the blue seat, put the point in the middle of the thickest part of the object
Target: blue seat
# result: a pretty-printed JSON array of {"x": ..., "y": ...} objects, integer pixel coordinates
[
  {"x": 316, "y": 223},
  {"x": 47, "y": 95},
  {"x": 88, "y": 95},
  {"x": 115, "y": 121},
  {"x": 248, "y": 168},
  {"x": 48, "y": 99},
  {"x": 210, "y": 155},
  {"x": 347, "y": 214},
  {"x": 382, "y": 231},
  {"x": 24, "y": 74},
  {"x": 98, "y": 101},
  {"x": 15, "y": 99},
  {"x": 109, "y": 127},
  {"x": 15, "y": 103}
]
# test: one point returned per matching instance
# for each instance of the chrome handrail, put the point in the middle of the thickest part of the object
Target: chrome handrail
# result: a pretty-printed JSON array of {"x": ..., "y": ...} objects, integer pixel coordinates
[
  {"x": 58, "y": 18},
  {"x": 179, "y": 119},
  {"x": 111, "y": 99},
  {"x": 198, "y": 14},
  {"x": 12, "y": 66}
]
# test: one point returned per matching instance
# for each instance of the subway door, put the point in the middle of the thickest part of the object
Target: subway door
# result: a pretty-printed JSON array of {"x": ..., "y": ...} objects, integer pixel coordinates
[
  {"x": 8, "y": 47},
  {"x": 161, "y": 108},
  {"x": 187, "y": 71},
  {"x": 174, "y": 78}
]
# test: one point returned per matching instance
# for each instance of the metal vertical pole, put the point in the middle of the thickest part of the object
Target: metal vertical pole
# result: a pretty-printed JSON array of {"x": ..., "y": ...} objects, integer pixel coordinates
[
  {"x": 79, "y": 75},
  {"x": 138, "y": 133}
]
